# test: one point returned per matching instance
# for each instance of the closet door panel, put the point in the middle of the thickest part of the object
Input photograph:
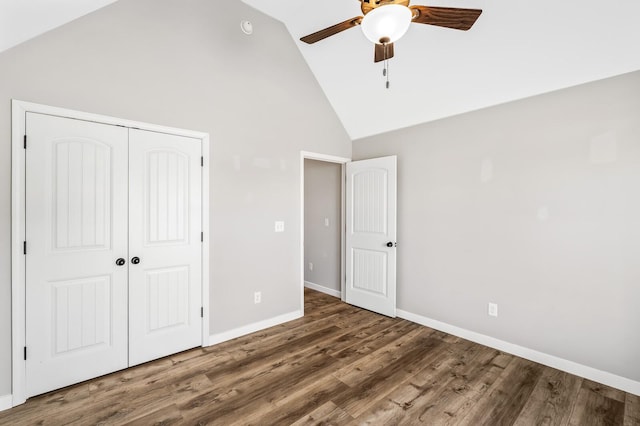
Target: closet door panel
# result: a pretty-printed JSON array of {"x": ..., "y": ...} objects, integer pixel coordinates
[
  {"x": 76, "y": 228},
  {"x": 164, "y": 234}
]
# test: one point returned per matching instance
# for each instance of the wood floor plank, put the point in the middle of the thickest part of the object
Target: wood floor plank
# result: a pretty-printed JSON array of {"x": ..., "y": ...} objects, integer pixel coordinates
[
  {"x": 169, "y": 415},
  {"x": 436, "y": 394},
  {"x": 375, "y": 388},
  {"x": 361, "y": 348},
  {"x": 158, "y": 395},
  {"x": 593, "y": 408},
  {"x": 604, "y": 390},
  {"x": 552, "y": 400},
  {"x": 368, "y": 365},
  {"x": 369, "y": 332},
  {"x": 270, "y": 354},
  {"x": 248, "y": 346},
  {"x": 71, "y": 402},
  {"x": 506, "y": 398},
  {"x": 258, "y": 389},
  {"x": 327, "y": 414},
  {"x": 336, "y": 365},
  {"x": 467, "y": 385},
  {"x": 300, "y": 400},
  {"x": 632, "y": 410},
  {"x": 400, "y": 404},
  {"x": 117, "y": 407}
]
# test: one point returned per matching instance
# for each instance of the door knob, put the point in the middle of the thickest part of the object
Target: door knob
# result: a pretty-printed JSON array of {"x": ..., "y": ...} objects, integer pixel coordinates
[
  {"x": 389, "y": 244},
  {"x": 120, "y": 261},
  {"x": 135, "y": 260}
]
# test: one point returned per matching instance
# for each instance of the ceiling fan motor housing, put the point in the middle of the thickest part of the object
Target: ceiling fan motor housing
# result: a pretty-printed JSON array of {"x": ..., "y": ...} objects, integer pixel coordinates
[{"x": 368, "y": 5}]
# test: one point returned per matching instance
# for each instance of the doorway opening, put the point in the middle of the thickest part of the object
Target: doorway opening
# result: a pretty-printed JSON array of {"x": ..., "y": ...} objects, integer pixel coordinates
[{"x": 322, "y": 224}]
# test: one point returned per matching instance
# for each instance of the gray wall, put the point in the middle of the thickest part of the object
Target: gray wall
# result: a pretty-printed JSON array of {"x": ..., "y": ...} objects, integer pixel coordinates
[
  {"x": 185, "y": 63},
  {"x": 322, "y": 244},
  {"x": 534, "y": 205}
]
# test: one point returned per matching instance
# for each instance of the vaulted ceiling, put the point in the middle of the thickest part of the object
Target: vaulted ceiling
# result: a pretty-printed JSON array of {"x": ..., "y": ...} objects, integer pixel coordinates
[{"x": 516, "y": 49}]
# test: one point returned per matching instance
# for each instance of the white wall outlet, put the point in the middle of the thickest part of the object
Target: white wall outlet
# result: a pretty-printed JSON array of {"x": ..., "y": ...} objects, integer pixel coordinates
[
  {"x": 279, "y": 227},
  {"x": 311, "y": 266},
  {"x": 492, "y": 310},
  {"x": 326, "y": 221},
  {"x": 257, "y": 297}
]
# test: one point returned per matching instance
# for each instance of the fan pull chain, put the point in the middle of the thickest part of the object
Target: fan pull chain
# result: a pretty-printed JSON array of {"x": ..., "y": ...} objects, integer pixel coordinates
[{"x": 385, "y": 70}]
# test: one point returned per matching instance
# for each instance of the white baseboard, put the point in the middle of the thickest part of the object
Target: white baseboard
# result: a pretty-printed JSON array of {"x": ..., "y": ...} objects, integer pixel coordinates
[
  {"x": 252, "y": 328},
  {"x": 590, "y": 373},
  {"x": 323, "y": 289},
  {"x": 6, "y": 402}
]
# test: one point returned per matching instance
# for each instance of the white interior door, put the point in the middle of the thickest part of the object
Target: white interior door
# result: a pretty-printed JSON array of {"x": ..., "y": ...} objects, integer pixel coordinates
[
  {"x": 76, "y": 216},
  {"x": 371, "y": 235},
  {"x": 165, "y": 237}
]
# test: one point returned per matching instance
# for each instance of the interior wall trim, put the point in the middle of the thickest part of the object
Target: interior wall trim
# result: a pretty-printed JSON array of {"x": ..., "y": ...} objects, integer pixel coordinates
[
  {"x": 323, "y": 289},
  {"x": 253, "y": 327},
  {"x": 552, "y": 361}
]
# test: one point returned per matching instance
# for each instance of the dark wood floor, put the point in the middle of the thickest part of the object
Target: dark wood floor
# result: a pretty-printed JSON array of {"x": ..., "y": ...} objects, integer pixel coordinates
[{"x": 337, "y": 365}]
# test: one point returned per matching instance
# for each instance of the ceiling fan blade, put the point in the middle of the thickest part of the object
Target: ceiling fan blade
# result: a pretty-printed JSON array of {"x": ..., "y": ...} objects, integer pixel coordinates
[
  {"x": 335, "y": 29},
  {"x": 383, "y": 51},
  {"x": 450, "y": 17}
]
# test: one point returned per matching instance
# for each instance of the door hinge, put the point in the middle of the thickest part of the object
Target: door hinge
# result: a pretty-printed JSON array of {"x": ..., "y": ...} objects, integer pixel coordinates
[
  {"x": 201, "y": 236},
  {"x": 25, "y": 353},
  {"x": 201, "y": 161},
  {"x": 25, "y": 141},
  {"x": 201, "y": 312},
  {"x": 24, "y": 247}
]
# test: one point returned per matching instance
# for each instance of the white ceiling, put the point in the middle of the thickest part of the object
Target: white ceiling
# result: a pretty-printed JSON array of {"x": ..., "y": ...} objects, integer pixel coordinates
[
  {"x": 21, "y": 20},
  {"x": 516, "y": 49}
]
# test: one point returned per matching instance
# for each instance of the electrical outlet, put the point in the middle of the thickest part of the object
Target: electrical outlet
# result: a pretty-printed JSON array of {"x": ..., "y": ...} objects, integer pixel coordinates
[
  {"x": 492, "y": 311},
  {"x": 310, "y": 266},
  {"x": 257, "y": 297},
  {"x": 279, "y": 226}
]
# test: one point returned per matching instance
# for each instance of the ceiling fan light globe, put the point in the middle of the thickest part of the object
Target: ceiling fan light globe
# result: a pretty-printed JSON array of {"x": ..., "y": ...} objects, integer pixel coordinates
[{"x": 390, "y": 22}]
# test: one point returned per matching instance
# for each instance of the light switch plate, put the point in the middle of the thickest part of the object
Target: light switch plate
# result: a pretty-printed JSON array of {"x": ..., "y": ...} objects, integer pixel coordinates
[{"x": 492, "y": 310}]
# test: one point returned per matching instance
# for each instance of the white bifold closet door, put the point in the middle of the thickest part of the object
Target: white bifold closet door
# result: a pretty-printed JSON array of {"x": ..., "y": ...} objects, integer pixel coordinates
[
  {"x": 98, "y": 196},
  {"x": 76, "y": 228},
  {"x": 164, "y": 236}
]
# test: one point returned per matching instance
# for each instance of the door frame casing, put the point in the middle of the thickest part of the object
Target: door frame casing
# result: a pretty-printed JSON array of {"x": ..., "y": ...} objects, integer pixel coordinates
[
  {"x": 306, "y": 155},
  {"x": 18, "y": 223}
]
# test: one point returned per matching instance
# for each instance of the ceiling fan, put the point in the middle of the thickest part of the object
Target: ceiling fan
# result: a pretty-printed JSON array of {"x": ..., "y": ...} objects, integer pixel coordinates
[{"x": 385, "y": 21}]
